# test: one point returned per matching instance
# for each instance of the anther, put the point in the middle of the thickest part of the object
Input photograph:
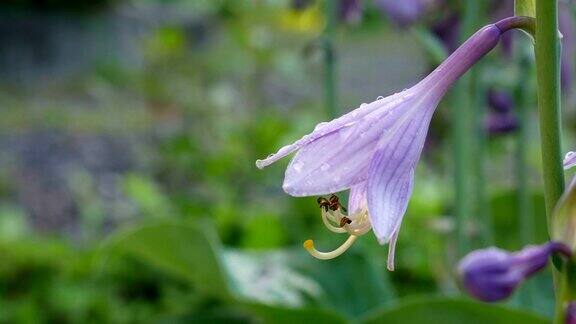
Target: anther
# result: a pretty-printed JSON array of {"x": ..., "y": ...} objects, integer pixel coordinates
[{"x": 345, "y": 220}]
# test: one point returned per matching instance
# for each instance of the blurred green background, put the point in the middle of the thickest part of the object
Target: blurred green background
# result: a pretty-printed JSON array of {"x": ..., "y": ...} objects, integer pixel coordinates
[{"x": 128, "y": 191}]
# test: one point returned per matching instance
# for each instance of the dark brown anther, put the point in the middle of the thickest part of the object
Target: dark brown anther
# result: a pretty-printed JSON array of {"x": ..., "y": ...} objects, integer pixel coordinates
[
  {"x": 345, "y": 220},
  {"x": 335, "y": 203},
  {"x": 323, "y": 203}
]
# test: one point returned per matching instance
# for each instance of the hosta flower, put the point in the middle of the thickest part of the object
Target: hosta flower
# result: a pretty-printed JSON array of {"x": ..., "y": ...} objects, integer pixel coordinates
[
  {"x": 570, "y": 313},
  {"x": 493, "y": 274},
  {"x": 373, "y": 151}
]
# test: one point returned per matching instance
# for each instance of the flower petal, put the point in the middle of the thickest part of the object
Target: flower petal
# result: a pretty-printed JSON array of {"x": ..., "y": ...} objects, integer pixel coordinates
[
  {"x": 340, "y": 159},
  {"x": 357, "y": 198},
  {"x": 392, "y": 170},
  {"x": 407, "y": 190},
  {"x": 326, "y": 128}
]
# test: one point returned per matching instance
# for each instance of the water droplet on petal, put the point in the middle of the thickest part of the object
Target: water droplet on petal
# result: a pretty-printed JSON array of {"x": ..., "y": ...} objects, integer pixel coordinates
[
  {"x": 363, "y": 105},
  {"x": 297, "y": 166},
  {"x": 320, "y": 125},
  {"x": 379, "y": 98},
  {"x": 325, "y": 166}
]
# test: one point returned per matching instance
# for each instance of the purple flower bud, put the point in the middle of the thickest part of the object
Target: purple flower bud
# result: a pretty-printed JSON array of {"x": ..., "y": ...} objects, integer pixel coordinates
[
  {"x": 493, "y": 274},
  {"x": 448, "y": 30},
  {"x": 500, "y": 101},
  {"x": 351, "y": 11},
  {"x": 299, "y": 5},
  {"x": 499, "y": 124},
  {"x": 402, "y": 13},
  {"x": 571, "y": 313}
]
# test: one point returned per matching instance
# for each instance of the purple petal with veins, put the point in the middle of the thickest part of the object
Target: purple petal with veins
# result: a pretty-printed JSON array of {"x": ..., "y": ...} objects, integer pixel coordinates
[
  {"x": 373, "y": 150},
  {"x": 357, "y": 198}
]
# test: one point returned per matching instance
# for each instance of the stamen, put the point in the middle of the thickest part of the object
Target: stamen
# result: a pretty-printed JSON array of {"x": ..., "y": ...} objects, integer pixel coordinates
[
  {"x": 309, "y": 246},
  {"x": 329, "y": 226},
  {"x": 345, "y": 221}
]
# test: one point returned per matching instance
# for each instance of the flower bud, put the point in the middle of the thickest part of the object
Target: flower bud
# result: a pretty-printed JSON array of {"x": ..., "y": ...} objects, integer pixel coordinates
[
  {"x": 500, "y": 101},
  {"x": 570, "y": 313},
  {"x": 564, "y": 217},
  {"x": 493, "y": 274}
]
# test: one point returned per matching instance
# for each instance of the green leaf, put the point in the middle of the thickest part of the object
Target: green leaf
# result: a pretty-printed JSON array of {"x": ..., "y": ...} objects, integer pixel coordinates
[
  {"x": 352, "y": 284},
  {"x": 281, "y": 315},
  {"x": 269, "y": 278},
  {"x": 525, "y": 8},
  {"x": 446, "y": 311},
  {"x": 184, "y": 250}
]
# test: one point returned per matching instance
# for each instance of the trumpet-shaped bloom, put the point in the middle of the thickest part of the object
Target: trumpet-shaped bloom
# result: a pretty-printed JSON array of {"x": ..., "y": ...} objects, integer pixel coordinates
[
  {"x": 373, "y": 151},
  {"x": 493, "y": 274}
]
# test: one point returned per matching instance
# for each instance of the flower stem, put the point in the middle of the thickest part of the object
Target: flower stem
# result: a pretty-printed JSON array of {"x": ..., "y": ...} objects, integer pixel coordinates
[
  {"x": 548, "y": 75},
  {"x": 331, "y": 12}
]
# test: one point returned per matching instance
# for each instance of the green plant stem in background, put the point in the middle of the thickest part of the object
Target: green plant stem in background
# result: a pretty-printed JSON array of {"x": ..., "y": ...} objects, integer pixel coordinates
[
  {"x": 523, "y": 104},
  {"x": 482, "y": 204},
  {"x": 548, "y": 75},
  {"x": 463, "y": 138},
  {"x": 330, "y": 100}
]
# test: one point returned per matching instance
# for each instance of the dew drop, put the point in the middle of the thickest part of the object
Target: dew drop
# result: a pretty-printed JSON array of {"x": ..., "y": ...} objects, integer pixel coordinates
[
  {"x": 325, "y": 166},
  {"x": 379, "y": 98},
  {"x": 297, "y": 166},
  {"x": 320, "y": 125}
]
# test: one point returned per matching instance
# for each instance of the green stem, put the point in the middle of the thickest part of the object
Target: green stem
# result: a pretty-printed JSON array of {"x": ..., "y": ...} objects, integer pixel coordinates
[
  {"x": 482, "y": 203},
  {"x": 464, "y": 134},
  {"x": 331, "y": 12},
  {"x": 548, "y": 74}
]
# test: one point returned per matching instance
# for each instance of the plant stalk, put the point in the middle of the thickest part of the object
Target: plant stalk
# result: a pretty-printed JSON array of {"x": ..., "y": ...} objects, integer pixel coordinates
[
  {"x": 464, "y": 134},
  {"x": 548, "y": 76}
]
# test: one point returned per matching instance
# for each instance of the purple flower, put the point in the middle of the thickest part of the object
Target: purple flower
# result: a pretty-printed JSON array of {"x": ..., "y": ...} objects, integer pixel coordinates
[
  {"x": 448, "y": 30},
  {"x": 500, "y": 101},
  {"x": 498, "y": 123},
  {"x": 373, "y": 151},
  {"x": 402, "y": 13},
  {"x": 570, "y": 313},
  {"x": 501, "y": 119},
  {"x": 300, "y": 5},
  {"x": 350, "y": 11},
  {"x": 493, "y": 274}
]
